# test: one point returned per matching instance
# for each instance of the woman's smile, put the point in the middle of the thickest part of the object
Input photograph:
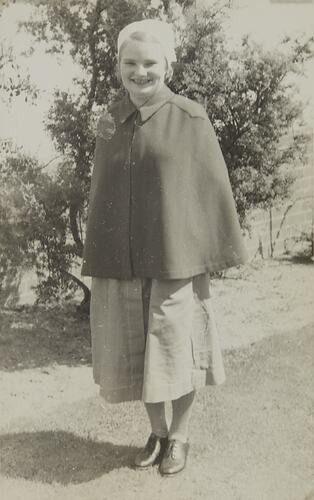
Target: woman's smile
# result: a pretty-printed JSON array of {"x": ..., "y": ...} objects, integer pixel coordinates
[{"x": 142, "y": 81}]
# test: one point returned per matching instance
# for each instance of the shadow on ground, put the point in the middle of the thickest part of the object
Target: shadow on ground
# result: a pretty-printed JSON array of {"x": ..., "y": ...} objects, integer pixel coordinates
[
  {"x": 37, "y": 337},
  {"x": 60, "y": 457},
  {"x": 296, "y": 259}
]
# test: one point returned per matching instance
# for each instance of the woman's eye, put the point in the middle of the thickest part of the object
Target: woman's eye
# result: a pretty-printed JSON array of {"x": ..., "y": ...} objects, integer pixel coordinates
[{"x": 147, "y": 64}]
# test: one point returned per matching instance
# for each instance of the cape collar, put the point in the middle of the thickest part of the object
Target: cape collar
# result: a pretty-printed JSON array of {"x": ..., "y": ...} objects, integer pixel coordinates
[{"x": 127, "y": 108}]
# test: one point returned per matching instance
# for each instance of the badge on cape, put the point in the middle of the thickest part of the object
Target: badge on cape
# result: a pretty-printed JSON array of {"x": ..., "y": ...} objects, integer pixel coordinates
[{"x": 106, "y": 126}]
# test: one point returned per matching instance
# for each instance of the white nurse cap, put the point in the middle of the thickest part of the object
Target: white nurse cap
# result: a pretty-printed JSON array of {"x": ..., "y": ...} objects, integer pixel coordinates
[{"x": 160, "y": 30}]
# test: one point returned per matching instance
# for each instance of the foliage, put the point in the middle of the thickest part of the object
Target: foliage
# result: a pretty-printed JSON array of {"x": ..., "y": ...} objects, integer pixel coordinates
[
  {"x": 250, "y": 101},
  {"x": 33, "y": 225},
  {"x": 246, "y": 92},
  {"x": 12, "y": 83},
  {"x": 301, "y": 246}
]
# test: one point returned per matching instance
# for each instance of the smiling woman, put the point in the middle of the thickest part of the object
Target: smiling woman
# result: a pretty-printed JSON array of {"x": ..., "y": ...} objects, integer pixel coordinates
[
  {"x": 161, "y": 216},
  {"x": 142, "y": 68}
]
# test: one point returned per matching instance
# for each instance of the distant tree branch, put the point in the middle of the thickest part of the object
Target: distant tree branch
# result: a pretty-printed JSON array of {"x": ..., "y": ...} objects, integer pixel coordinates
[{"x": 92, "y": 49}]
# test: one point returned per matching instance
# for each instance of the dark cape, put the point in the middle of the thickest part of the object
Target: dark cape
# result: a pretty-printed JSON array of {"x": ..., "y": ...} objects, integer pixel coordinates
[{"x": 161, "y": 204}]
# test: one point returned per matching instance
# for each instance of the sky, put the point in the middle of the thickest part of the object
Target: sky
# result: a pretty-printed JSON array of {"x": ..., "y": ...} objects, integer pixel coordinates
[{"x": 265, "y": 20}]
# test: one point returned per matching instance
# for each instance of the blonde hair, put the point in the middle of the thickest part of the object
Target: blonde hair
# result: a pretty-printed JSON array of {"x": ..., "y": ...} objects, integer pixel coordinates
[{"x": 141, "y": 36}]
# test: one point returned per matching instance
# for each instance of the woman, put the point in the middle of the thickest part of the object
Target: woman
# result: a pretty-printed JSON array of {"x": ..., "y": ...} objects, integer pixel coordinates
[{"x": 161, "y": 217}]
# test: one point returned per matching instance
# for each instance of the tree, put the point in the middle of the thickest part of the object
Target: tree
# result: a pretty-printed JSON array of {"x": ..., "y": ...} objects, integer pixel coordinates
[
  {"x": 245, "y": 92},
  {"x": 34, "y": 226},
  {"x": 250, "y": 99}
]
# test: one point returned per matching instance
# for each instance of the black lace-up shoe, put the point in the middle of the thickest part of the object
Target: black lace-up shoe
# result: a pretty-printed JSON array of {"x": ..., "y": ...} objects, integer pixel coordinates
[
  {"x": 174, "y": 459},
  {"x": 152, "y": 453}
]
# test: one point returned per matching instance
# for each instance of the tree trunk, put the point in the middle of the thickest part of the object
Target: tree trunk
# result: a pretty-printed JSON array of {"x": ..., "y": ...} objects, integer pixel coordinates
[
  {"x": 75, "y": 229},
  {"x": 84, "y": 305}
]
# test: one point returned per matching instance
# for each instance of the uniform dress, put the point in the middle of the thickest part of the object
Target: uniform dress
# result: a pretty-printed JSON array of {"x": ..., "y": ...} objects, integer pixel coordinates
[{"x": 161, "y": 218}]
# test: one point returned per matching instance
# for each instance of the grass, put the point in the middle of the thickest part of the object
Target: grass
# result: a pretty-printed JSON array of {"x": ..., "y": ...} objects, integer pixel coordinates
[{"x": 36, "y": 336}]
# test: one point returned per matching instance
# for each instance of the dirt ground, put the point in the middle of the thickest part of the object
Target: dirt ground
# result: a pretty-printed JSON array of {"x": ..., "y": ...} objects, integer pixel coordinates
[{"x": 251, "y": 438}]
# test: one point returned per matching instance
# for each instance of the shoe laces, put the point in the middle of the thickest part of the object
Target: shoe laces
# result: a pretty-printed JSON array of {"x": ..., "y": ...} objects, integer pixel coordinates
[{"x": 173, "y": 449}]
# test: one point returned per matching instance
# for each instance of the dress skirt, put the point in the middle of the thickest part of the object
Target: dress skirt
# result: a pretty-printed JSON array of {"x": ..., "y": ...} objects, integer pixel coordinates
[{"x": 153, "y": 340}]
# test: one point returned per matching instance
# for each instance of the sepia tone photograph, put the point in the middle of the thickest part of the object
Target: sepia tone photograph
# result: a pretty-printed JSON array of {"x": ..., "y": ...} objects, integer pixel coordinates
[{"x": 156, "y": 249}]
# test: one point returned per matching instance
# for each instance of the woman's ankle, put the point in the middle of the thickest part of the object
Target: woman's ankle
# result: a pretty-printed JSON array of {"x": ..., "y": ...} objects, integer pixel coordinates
[
  {"x": 160, "y": 433},
  {"x": 183, "y": 438}
]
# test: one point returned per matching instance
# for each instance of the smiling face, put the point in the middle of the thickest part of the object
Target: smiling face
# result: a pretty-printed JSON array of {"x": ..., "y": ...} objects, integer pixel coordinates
[{"x": 142, "y": 68}]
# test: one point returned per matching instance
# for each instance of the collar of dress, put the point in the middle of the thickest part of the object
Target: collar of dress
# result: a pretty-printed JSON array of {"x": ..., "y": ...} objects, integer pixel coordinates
[{"x": 127, "y": 108}]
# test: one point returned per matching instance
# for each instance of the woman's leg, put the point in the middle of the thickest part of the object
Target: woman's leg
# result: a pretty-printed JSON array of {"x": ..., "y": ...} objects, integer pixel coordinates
[
  {"x": 154, "y": 449},
  {"x": 181, "y": 415},
  {"x": 174, "y": 459},
  {"x": 157, "y": 416}
]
